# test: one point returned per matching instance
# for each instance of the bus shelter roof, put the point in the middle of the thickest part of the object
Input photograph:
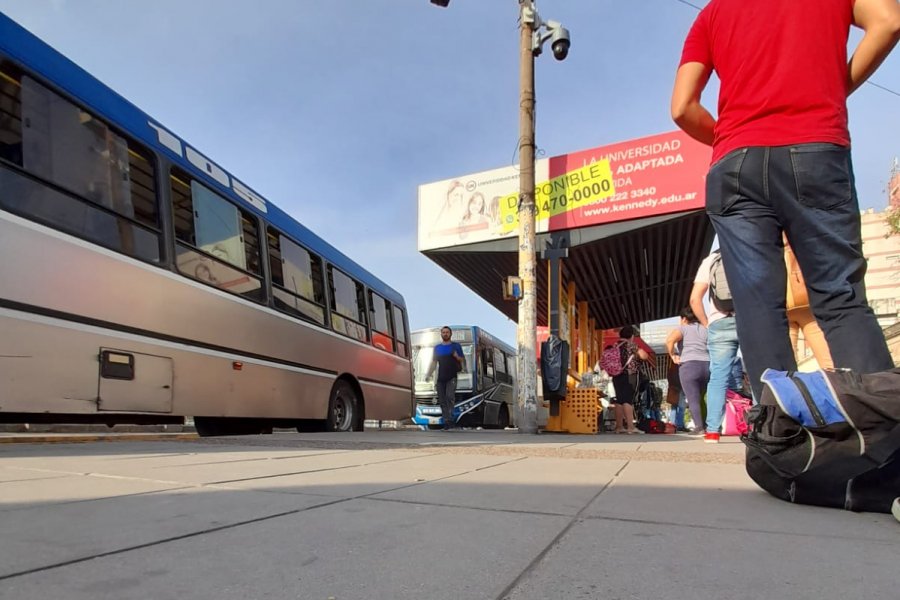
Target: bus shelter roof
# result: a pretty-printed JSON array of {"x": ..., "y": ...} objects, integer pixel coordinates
[{"x": 628, "y": 272}]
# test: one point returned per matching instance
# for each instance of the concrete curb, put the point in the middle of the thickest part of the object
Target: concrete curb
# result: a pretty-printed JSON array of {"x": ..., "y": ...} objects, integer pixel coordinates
[{"x": 63, "y": 438}]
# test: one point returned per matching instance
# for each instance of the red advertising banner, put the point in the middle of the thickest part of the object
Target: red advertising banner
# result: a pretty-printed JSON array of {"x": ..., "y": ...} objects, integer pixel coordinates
[{"x": 654, "y": 175}]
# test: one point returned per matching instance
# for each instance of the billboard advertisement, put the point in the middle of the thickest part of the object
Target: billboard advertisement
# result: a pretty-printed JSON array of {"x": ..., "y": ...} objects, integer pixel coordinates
[
  {"x": 651, "y": 176},
  {"x": 644, "y": 177},
  {"x": 465, "y": 210}
]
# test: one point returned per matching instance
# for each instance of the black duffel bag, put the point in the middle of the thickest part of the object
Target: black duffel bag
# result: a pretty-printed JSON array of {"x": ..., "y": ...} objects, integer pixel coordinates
[{"x": 827, "y": 438}]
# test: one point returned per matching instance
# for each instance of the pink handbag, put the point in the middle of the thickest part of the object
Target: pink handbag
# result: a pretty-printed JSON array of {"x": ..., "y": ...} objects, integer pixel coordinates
[{"x": 736, "y": 407}]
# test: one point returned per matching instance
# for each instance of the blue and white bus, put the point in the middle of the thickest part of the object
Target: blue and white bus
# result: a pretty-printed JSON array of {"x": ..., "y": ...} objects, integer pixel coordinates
[
  {"x": 485, "y": 390},
  {"x": 142, "y": 283}
]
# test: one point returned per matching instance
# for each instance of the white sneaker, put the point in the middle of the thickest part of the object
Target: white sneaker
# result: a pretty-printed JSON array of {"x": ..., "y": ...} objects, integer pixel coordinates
[{"x": 895, "y": 509}]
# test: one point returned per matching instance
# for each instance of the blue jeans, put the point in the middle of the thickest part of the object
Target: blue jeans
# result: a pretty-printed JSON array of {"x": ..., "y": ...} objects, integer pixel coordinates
[
  {"x": 676, "y": 415},
  {"x": 446, "y": 393},
  {"x": 722, "y": 341},
  {"x": 807, "y": 191}
]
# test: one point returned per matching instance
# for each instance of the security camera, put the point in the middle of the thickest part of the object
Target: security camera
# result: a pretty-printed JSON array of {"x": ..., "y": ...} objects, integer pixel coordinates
[
  {"x": 560, "y": 43},
  {"x": 554, "y": 31}
]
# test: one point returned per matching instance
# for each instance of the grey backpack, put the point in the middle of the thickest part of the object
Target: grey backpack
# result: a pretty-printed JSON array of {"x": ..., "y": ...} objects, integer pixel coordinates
[{"x": 719, "y": 293}]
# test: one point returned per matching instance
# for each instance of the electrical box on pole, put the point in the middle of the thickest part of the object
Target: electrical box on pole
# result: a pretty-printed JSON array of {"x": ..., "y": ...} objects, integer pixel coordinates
[{"x": 512, "y": 288}]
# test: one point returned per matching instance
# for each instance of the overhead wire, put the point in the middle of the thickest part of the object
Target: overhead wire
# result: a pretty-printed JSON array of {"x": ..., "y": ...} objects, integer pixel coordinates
[
  {"x": 881, "y": 87},
  {"x": 689, "y": 4}
]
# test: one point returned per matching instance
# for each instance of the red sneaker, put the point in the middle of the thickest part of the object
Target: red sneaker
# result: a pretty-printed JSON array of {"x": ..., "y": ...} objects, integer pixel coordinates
[{"x": 711, "y": 438}]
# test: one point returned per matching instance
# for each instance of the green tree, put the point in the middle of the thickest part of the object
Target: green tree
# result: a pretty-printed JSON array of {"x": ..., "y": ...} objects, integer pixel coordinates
[{"x": 893, "y": 221}]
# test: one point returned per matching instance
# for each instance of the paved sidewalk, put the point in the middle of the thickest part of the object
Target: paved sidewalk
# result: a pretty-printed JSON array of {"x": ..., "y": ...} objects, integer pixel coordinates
[{"x": 424, "y": 515}]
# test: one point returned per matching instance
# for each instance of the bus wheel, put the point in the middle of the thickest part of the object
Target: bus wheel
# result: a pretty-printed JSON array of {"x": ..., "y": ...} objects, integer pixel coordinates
[
  {"x": 503, "y": 417},
  {"x": 342, "y": 408}
]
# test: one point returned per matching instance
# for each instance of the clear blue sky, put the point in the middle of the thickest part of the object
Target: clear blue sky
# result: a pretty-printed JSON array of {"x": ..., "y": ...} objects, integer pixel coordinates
[{"x": 337, "y": 110}]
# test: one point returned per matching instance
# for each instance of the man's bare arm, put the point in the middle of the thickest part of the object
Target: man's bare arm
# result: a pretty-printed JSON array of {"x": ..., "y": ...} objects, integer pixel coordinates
[
  {"x": 687, "y": 112},
  {"x": 880, "y": 19},
  {"x": 697, "y": 293}
]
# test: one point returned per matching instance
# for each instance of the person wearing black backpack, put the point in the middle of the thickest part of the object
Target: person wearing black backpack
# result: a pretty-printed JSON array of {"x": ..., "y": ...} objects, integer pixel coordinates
[{"x": 722, "y": 340}]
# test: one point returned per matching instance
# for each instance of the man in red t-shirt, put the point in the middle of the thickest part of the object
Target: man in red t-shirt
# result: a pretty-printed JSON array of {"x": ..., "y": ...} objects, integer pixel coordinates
[{"x": 781, "y": 162}]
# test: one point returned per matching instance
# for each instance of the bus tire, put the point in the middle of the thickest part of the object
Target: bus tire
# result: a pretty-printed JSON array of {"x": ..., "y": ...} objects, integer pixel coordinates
[
  {"x": 343, "y": 408},
  {"x": 503, "y": 417}
]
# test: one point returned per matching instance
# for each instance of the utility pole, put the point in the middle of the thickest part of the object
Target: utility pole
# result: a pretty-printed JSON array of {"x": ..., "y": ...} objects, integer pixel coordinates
[
  {"x": 526, "y": 332},
  {"x": 534, "y": 32}
]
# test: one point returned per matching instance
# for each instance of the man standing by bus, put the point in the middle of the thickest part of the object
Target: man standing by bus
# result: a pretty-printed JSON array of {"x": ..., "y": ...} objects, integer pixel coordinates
[
  {"x": 449, "y": 359},
  {"x": 781, "y": 162}
]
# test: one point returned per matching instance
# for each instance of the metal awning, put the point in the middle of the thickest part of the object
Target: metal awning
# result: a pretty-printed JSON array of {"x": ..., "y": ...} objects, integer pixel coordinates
[{"x": 629, "y": 272}]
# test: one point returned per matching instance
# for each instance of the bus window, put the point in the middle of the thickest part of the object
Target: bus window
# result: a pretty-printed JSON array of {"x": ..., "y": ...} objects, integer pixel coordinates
[
  {"x": 505, "y": 365},
  {"x": 382, "y": 335},
  {"x": 217, "y": 242},
  {"x": 65, "y": 145},
  {"x": 92, "y": 182},
  {"x": 297, "y": 285},
  {"x": 348, "y": 305},
  {"x": 499, "y": 363},
  {"x": 217, "y": 226},
  {"x": 10, "y": 115},
  {"x": 487, "y": 359},
  {"x": 400, "y": 329}
]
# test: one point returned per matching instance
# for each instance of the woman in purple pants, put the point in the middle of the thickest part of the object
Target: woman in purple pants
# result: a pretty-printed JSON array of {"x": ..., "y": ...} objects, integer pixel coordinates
[{"x": 692, "y": 361}]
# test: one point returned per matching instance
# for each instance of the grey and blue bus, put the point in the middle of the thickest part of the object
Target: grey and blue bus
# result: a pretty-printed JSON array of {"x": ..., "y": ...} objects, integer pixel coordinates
[
  {"x": 485, "y": 390},
  {"x": 143, "y": 283}
]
